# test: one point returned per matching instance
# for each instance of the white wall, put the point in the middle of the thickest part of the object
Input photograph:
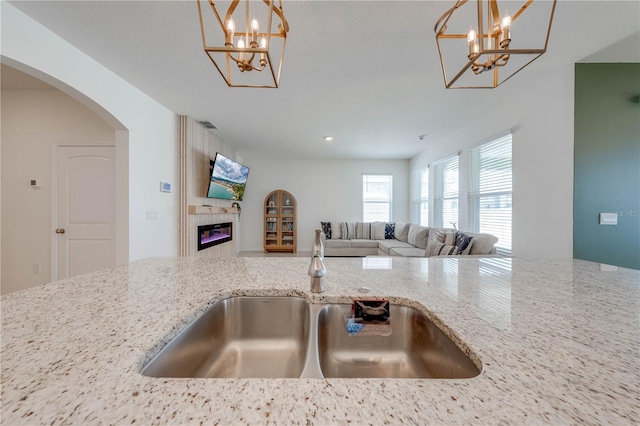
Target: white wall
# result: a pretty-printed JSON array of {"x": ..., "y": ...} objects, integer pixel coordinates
[
  {"x": 34, "y": 122},
  {"x": 541, "y": 120},
  {"x": 146, "y": 132},
  {"x": 324, "y": 189}
]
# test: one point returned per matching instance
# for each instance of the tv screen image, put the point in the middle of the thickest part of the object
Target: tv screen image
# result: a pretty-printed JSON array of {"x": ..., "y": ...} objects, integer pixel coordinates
[{"x": 228, "y": 178}]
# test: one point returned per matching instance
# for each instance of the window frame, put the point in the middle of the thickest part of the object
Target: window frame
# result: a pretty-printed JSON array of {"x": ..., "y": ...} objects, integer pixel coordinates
[
  {"x": 422, "y": 200},
  {"x": 482, "y": 160},
  {"x": 388, "y": 201},
  {"x": 442, "y": 194}
]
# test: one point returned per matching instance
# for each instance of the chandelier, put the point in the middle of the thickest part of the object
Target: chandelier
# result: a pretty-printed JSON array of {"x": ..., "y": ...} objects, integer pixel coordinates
[
  {"x": 244, "y": 55},
  {"x": 497, "y": 45}
]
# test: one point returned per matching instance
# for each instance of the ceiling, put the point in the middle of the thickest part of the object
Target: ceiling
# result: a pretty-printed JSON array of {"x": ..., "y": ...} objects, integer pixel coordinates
[{"x": 365, "y": 72}]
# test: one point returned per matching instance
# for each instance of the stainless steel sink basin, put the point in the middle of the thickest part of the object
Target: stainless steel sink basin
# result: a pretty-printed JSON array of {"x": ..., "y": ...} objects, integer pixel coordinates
[
  {"x": 239, "y": 337},
  {"x": 286, "y": 337},
  {"x": 416, "y": 348}
]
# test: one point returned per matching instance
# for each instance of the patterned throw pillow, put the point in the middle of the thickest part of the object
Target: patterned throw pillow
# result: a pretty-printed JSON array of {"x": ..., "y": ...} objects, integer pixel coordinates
[
  {"x": 326, "y": 228},
  {"x": 389, "y": 230},
  {"x": 436, "y": 236},
  {"x": 363, "y": 230},
  {"x": 440, "y": 249},
  {"x": 348, "y": 230},
  {"x": 462, "y": 241}
]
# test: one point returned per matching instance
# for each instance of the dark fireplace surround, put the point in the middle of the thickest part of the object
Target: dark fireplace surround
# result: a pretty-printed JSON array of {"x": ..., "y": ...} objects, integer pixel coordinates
[{"x": 214, "y": 234}]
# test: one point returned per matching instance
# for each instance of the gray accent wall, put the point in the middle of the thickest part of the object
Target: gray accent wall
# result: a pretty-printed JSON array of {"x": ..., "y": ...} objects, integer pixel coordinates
[{"x": 607, "y": 163}]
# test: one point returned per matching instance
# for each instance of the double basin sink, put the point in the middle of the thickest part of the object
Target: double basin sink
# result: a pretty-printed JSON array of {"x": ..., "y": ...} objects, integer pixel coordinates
[{"x": 288, "y": 337}]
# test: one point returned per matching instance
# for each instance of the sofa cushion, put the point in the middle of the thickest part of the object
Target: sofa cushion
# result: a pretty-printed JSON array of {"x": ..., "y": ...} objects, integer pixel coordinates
[
  {"x": 389, "y": 229},
  {"x": 363, "y": 243},
  {"x": 406, "y": 251},
  {"x": 401, "y": 232},
  {"x": 326, "y": 228},
  {"x": 377, "y": 230},
  {"x": 337, "y": 244},
  {"x": 336, "y": 231},
  {"x": 440, "y": 249},
  {"x": 418, "y": 235},
  {"x": 482, "y": 243},
  {"x": 363, "y": 231},
  {"x": 386, "y": 245}
]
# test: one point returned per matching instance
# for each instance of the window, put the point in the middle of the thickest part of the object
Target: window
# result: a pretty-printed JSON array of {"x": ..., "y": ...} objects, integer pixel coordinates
[
  {"x": 446, "y": 193},
  {"x": 423, "y": 198},
  {"x": 376, "y": 198},
  {"x": 490, "y": 191}
]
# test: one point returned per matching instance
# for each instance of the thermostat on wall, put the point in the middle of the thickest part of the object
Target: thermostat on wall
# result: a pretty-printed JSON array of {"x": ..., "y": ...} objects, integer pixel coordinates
[{"x": 165, "y": 187}]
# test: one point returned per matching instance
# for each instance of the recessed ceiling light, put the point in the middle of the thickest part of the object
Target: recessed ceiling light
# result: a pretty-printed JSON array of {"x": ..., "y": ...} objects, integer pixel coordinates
[{"x": 328, "y": 138}]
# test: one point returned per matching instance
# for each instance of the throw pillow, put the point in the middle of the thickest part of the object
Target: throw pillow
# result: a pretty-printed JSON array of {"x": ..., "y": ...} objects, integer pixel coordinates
[
  {"x": 348, "y": 230},
  {"x": 336, "y": 231},
  {"x": 440, "y": 249},
  {"x": 326, "y": 228},
  {"x": 377, "y": 230},
  {"x": 483, "y": 243},
  {"x": 462, "y": 241},
  {"x": 402, "y": 231},
  {"x": 363, "y": 230},
  {"x": 449, "y": 237},
  {"x": 418, "y": 235},
  {"x": 389, "y": 230},
  {"x": 436, "y": 236}
]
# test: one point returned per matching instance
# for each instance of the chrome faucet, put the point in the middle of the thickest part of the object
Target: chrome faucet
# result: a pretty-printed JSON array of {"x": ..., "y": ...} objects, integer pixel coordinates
[{"x": 317, "y": 270}]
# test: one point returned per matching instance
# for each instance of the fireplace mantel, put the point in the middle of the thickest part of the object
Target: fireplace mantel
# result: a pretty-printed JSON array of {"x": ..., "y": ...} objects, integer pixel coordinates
[{"x": 212, "y": 209}]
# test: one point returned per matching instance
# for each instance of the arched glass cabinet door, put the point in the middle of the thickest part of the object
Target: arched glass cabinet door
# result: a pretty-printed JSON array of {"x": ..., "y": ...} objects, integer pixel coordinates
[{"x": 280, "y": 222}]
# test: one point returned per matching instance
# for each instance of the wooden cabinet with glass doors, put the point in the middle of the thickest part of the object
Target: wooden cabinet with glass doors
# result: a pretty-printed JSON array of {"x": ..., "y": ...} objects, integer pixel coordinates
[{"x": 280, "y": 222}]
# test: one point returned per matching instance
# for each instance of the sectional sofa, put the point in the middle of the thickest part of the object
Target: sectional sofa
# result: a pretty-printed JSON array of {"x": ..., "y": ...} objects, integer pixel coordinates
[{"x": 402, "y": 239}]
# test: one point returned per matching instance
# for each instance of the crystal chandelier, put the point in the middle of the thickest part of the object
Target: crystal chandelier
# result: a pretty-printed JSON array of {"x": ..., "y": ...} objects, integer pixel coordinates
[
  {"x": 242, "y": 53},
  {"x": 498, "y": 45}
]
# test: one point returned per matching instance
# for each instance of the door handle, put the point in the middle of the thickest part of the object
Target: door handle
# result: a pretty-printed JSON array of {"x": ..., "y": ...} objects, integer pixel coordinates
[{"x": 60, "y": 231}]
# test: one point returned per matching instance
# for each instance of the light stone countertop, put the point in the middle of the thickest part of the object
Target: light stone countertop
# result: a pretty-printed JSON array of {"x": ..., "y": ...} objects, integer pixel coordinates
[{"x": 559, "y": 341}]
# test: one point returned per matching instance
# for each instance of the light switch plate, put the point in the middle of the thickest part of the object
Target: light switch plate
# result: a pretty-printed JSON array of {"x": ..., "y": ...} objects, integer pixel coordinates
[{"x": 608, "y": 218}]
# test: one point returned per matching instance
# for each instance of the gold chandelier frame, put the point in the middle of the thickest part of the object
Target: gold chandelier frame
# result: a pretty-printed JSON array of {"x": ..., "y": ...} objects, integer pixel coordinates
[
  {"x": 242, "y": 49},
  {"x": 493, "y": 41}
]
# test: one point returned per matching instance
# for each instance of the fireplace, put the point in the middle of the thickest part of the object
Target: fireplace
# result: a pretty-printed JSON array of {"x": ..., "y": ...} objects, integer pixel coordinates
[{"x": 214, "y": 234}]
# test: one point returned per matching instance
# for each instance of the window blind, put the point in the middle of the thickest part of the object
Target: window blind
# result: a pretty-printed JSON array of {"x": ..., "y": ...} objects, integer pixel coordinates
[
  {"x": 376, "y": 198},
  {"x": 446, "y": 193},
  {"x": 423, "y": 201},
  {"x": 490, "y": 190}
]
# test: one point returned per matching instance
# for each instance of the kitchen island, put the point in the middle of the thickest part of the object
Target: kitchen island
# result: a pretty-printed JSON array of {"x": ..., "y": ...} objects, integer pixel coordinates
[{"x": 558, "y": 341}]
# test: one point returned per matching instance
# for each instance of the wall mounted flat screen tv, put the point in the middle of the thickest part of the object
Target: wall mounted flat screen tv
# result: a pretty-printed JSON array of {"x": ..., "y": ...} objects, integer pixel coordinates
[{"x": 227, "y": 178}]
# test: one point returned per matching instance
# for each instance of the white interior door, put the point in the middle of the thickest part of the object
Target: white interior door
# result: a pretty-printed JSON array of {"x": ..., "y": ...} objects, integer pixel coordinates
[{"x": 86, "y": 209}]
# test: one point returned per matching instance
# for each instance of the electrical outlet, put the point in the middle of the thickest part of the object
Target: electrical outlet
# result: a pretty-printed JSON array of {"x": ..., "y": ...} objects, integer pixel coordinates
[
  {"x": 608, "y": 218},
  {"x": 37, "y": 268},
  {"x": 152, "y": 215}
]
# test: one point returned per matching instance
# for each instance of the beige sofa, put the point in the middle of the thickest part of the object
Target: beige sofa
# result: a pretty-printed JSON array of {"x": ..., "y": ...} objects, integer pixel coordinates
[{"x": 402, "y": 239}]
